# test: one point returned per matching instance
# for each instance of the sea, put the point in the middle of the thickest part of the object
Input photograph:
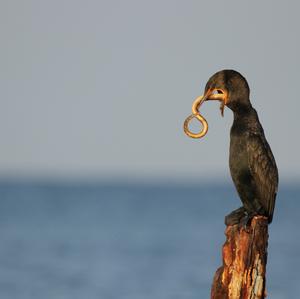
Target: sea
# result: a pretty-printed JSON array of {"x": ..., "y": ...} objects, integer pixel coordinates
[{"x": 114, "y": 240}]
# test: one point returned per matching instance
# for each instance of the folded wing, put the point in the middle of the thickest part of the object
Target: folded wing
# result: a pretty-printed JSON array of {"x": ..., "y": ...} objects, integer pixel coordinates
[{"x": 264, "y": 171}]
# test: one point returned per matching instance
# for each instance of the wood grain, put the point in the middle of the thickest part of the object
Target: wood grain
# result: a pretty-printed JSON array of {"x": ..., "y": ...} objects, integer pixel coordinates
[{"x": 243, "y": 273}]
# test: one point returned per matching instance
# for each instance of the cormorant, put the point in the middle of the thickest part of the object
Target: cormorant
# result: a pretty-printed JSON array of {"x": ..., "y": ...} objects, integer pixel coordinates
[{"x": 252, "y": 164}]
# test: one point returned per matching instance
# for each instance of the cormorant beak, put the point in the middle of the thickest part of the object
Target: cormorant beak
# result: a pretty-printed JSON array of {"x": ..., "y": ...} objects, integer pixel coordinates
[{"x": 212, "y": 94}]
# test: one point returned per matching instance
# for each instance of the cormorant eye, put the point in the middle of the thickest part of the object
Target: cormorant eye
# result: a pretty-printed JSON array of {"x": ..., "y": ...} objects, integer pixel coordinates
[{"x": 217, "y": 91}]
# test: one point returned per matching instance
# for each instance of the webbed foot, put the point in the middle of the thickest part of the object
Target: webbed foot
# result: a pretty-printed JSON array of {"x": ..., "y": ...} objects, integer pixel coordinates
[
  {"x": 235, "y": 216},
  {"x": 246, "y": 220}
]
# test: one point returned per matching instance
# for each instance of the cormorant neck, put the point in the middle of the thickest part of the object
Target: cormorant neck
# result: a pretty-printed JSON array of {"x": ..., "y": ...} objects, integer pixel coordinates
[{"x": 241, "y": 108}]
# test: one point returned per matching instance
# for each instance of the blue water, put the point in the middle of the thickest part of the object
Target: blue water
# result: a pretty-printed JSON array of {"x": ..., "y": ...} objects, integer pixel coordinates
[{"x": 130, "y": 241}]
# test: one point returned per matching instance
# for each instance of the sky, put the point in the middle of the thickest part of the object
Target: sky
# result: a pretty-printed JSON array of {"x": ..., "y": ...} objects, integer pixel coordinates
[{"x": 101, "y": 88}]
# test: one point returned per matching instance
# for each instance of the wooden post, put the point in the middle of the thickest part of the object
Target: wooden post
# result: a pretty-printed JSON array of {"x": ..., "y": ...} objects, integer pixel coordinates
[{"x": 242, "y": 275}]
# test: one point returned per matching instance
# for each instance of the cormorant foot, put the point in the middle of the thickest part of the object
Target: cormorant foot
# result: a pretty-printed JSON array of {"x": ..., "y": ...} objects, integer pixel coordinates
[
  {"x": 235, "y": 216},
  {"x": 246, "y": 220}
]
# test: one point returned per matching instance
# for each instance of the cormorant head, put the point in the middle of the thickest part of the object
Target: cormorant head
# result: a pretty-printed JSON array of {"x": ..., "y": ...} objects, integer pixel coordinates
[
  {"x": 230, "y": 88},
  {"x": 227, "y": 86}
]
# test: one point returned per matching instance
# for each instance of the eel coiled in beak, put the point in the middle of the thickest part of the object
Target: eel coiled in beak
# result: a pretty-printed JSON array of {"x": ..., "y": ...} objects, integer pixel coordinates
[{"x": 212, "y": 94}]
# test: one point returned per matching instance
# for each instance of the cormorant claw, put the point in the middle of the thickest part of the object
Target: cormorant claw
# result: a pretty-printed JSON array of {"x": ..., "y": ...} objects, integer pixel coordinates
[
  {"x": 235, "y": 216},
  {"x": 246, "y": 220}
]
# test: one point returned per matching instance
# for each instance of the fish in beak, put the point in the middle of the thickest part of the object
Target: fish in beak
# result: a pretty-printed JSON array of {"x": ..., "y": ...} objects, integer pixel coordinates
[{"x": 212, "y": 94}]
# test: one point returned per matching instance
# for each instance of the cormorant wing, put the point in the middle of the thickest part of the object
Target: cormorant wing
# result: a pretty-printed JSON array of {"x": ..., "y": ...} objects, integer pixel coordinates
[{"x": 263, "y": 170}]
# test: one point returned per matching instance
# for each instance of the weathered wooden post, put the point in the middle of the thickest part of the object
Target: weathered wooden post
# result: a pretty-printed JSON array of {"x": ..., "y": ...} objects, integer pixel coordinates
[{"x": 243, "y": 273}]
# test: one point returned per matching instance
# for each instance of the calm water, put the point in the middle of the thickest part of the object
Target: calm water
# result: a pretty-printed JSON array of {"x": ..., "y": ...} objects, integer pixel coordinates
[{"x": 130, "y": 241}]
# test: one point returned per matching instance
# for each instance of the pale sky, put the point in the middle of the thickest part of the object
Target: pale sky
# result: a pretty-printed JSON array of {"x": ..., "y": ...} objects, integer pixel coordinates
[{"x": 101, "y": 88}]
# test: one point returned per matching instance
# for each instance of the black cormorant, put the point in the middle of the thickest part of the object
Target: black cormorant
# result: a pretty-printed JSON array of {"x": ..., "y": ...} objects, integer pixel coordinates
[{"x": 252, "y": 164}]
